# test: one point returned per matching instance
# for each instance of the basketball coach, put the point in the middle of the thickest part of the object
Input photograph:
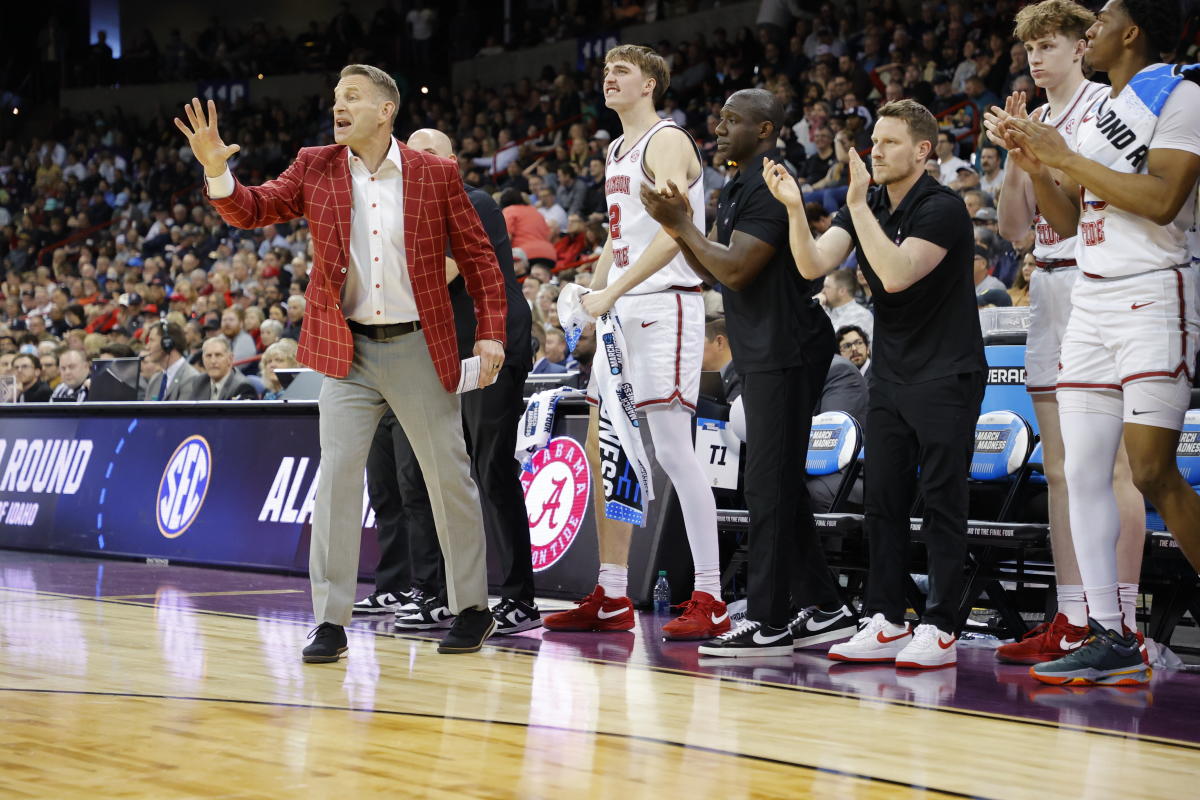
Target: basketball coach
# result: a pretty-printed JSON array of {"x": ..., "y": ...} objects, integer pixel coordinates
[{"x": 379, "y": 325}]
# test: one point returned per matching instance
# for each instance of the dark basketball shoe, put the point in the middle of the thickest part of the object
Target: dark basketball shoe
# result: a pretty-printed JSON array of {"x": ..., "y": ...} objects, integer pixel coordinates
[{"x": 1107, "y": 659}]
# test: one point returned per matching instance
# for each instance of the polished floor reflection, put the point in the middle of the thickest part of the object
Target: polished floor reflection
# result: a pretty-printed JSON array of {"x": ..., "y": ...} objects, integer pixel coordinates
[{"x": 119, "y": 679}]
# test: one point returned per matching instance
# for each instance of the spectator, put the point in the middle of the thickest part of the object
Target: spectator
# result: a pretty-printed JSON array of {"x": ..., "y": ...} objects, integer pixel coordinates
[
  {"x": 50, "y": 372},
  {"x": 570, "y": 246},
  {"x": 984, "y": 280},
  {"x": 295, "y": 317},
  {"x": 855, "y": 344},
  {"x": 571, "y": 192},
  {"x": 30, "y": 386},
  {"x": 73, "y": 367},
  {"x": 552, "y": 212},
  {"x": 991, "y": 173},
  {"x": 164, "y": 350},
  {"x": 219, "y": 381},
  {"x": 718, "y": 357},
  {"x": 527, "y": 229},
  {"x": 837, "y": 297},
  {"x": 280, "y": 354},
  {"x": 948, "y": 163},
  {"x": 551, "y": 356},
  {"x": 270, "y": 332},
  {"x": 1020, "y": 288},
  {"x": 240, "y": 342}
]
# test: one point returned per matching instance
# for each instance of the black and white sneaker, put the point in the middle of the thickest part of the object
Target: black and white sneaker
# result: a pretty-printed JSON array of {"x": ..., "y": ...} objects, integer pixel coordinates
[
  {"x": 750, "y": 639},
  {"x": 385, "y": 602},
  {"x": 514, "y": 616},
  {"x": 431, "y": 614},
  {"x": 813, "y": 626},
  {"x": 410, "y": 601}
]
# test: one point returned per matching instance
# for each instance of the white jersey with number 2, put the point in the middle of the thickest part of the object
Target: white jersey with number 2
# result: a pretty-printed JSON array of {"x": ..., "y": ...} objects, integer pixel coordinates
[{"x": 630, "y": 227}]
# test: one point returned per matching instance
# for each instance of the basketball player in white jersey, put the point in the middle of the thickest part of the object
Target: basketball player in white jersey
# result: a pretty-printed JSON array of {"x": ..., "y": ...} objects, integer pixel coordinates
[
  {"x": 1129, "y": 349},
  {"x": 658, "y": 300},
  {"x": 1053, "y": 34}
]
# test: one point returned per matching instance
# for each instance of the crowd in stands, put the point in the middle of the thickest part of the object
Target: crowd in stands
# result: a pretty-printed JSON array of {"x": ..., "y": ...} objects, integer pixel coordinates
[{"x": 104, "y": 231}]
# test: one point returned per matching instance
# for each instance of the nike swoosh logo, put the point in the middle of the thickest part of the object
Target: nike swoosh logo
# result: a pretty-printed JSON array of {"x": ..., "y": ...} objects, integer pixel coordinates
[
  {"x": 885, "y": 639},
  {"x": 1136, "y": 306},
  {"x": 718, "y": 620},
  {"x": 947, "y": 645},
  {"x": 1136, "y": 413},
  {"x": 602, "y": 614},
  {"x": 648, "y": 324},
  {"x": 514, "y": 617},
  {"x": 760, "y": 639},
  {"x": 814, "y": 626},
  {"x": 1065, "y": 644}
]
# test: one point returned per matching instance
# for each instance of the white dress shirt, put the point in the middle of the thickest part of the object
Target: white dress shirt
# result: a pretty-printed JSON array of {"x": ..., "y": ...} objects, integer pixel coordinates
[{"x": 377, "y": 290}]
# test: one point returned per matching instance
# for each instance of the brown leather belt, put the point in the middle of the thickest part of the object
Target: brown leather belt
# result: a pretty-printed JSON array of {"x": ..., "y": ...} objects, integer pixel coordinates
[
  {"x": 1059, "y": 264},
  {"x": 379, "y": 332}
]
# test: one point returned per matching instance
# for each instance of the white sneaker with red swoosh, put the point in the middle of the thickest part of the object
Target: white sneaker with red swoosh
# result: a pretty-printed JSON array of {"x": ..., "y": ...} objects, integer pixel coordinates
[
  {"x": 929, "y": 648},
  {"x": 876, "y": 640}
]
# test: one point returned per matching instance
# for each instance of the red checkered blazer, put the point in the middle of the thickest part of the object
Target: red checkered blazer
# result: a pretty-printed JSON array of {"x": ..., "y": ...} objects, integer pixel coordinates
[{"x": 317, "y": 186}]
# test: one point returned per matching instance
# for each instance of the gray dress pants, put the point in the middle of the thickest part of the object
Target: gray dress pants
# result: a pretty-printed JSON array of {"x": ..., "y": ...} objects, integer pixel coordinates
[{"x": 399, "y": 373}]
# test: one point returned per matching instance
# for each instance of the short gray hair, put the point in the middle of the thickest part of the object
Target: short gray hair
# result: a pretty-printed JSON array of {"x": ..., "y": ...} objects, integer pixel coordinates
[
  {"x": 272, "y": 325},
  {"x": 384, "y": 84}
]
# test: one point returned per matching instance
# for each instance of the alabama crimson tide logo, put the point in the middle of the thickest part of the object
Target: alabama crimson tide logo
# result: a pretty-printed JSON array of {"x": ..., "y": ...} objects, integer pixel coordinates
[{"x": 556, "y": 487}]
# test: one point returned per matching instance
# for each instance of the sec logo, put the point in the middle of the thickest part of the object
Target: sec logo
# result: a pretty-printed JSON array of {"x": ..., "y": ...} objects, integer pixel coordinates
[
  {"x": 183, "y": 486},
  {"x": 556, "y": 487}
]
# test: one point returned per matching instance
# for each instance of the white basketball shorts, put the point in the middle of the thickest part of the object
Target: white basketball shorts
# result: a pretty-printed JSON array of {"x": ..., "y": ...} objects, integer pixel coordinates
[
  {"x": 1125, "y": 332},
  {"x": 664, "y": 334},
  {"x": 1049, "y": 311}
]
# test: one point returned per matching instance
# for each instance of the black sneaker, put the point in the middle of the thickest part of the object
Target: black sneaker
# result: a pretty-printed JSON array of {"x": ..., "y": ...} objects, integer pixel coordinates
[
  {"x": 813, "y": 626},
  {"x": 1108, "y": 658},
  {"x": 383, "y": 602},
  {"x": 750, "y": 639},
  {"x": 471, "y": 627},
  {"x": 329, "y": 644},
  {"x": 430, "y": 614},
  {"x": 514, "y": 616}
]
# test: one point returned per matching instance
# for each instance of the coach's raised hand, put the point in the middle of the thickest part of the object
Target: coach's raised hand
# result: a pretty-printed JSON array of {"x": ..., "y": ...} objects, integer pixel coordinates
[
  {"x": 205, "y": 141},
  {"x": 782, "y": 185}
]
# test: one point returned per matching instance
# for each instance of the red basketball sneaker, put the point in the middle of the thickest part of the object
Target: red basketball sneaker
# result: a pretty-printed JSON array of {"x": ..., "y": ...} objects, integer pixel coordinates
[
  {"x": 703, "y": 617},
  {"x": 594, "y": 613},
  {"x": 1049, "y": 641}
]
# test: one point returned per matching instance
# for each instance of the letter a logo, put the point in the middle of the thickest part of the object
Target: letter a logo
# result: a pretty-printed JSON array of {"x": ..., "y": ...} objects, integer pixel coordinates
[{"x": 552, "y": 503}]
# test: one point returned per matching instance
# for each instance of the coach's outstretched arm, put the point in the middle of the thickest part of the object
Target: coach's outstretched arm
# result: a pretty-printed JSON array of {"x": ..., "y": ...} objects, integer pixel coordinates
[
  {"x": 275, "y": 201},
  {"x": 815, "y": 258}
]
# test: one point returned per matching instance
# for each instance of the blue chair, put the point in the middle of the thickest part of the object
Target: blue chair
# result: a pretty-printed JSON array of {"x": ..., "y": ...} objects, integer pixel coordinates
[{"x": 835, "y": 445}]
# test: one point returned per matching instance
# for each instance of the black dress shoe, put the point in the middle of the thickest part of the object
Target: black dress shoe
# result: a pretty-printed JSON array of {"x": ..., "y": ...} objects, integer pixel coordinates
[
  {"x": 329, "y": 643},
  {"x": 471, "y": 627}
]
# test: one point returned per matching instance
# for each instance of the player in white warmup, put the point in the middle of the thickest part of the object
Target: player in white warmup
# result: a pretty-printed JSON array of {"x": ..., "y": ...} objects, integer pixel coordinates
[
  {"x": 658, "y": 299},
  {"x": 1053, "y": 32},
  {"x": 1130, "y": 345}
]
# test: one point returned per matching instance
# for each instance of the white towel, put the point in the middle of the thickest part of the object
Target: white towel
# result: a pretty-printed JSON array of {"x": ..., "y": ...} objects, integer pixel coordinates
[{"x": 618, "y": 409}]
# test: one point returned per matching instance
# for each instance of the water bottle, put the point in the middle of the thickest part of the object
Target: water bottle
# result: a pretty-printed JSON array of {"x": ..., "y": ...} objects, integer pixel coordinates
[{"x": 662, "y": 593}]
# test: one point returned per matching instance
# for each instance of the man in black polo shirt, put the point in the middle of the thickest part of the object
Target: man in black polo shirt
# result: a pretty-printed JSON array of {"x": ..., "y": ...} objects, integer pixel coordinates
[
  {"x": 782, "y": 344},
  {"x": 915, "y": 246}
]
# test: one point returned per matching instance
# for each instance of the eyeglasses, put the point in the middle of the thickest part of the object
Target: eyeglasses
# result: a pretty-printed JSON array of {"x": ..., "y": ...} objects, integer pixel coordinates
[{"x": 846, "y": 347}]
